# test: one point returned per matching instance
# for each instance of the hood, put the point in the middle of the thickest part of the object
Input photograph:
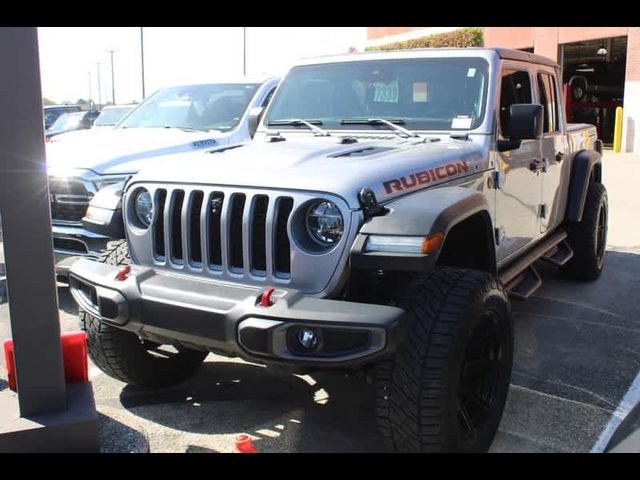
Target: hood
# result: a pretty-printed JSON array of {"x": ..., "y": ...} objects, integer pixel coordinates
[
  {"x": 390, "y": 168},
  {"x": 123, "y": 150}
]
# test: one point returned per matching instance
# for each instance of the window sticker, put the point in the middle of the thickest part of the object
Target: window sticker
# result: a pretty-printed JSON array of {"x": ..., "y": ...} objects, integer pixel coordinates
[
  {"x": 420, "y": 92},
  {"x": 461, "y": 122},
  {"x": 386, "y": 92},
  {"x": 471, "y": 72}
]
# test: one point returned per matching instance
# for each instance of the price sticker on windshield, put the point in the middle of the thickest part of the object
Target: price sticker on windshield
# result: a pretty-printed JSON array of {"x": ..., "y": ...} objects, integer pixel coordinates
[
  {"x": 461, "y": 122},
  {"x": 386, "y": 92},
  {"x": 420, "y": 92}
]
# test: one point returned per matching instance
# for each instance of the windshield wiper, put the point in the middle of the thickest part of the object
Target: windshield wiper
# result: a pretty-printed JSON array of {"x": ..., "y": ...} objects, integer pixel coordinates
[
  {"x": 381, "y": 121},
  {"x": 190, "y": 129},
  {"x": 307, "y": 123}
]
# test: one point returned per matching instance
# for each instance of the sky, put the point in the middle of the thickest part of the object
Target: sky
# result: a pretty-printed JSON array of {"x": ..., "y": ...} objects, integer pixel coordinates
[{"x": 69, "y": 56}]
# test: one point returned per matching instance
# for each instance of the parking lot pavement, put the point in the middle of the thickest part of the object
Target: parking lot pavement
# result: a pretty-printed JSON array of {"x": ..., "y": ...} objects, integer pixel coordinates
[{"x": 577, "y": 353}]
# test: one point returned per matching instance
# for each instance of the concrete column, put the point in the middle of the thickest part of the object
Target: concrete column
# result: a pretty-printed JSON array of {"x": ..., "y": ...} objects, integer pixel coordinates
[
  {"x": 48, "y": 415},
  {"x": 631, "y": 118},
  {"x": 26, "y": 224},
  {"x": 545, "y": 42}
]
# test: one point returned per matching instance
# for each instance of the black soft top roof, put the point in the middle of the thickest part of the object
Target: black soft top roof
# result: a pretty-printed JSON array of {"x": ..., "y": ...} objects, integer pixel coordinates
[{"x": 513, "y": 54}]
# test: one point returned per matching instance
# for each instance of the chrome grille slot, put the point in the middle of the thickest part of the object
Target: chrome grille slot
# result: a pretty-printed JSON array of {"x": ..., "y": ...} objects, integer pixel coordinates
[
  {"x": 282, "y": 248},
  {"x": 259, "y": 235},
  {"x": 195, "y": 210},
  {"x": 236, "y": 260},
  {"x": 214, "y": 215},
  {"x": 158, "y": 226},
  {"x": 175, "y": 212}
]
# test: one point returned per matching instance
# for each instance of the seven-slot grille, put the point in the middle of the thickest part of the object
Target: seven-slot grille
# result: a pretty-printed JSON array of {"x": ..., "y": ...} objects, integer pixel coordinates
[
  {"x": 239, "y": 233},
  {"x": 69, "y": 199}
]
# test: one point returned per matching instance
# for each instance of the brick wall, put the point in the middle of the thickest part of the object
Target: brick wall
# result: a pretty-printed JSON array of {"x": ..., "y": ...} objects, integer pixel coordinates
[{"x": 512, "y": 37}]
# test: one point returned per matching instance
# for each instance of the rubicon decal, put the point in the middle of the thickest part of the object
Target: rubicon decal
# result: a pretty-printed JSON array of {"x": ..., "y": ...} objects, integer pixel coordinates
[{"x": 426, "y": 176}]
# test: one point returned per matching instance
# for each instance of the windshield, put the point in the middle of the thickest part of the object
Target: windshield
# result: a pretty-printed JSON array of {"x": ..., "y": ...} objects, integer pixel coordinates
[
  {"x": 68, "y": 121},
  {"x": 111, "y": 116},
  {"x": 199, "y": 107},
  {"x": 52, "y": 114},
  {"x": 420, "y": 94}
]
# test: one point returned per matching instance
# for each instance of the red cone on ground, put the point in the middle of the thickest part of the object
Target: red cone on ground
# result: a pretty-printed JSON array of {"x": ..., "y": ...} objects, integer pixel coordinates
[{"x": 244, "y": 444}]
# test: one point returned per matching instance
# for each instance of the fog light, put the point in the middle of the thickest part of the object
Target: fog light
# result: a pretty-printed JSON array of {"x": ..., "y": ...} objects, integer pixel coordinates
[{"x": 307, "y": 338}]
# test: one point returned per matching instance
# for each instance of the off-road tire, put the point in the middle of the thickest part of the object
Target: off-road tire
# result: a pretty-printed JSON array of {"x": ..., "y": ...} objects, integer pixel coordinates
[
  {"x": 123, "y": 356},
  {"x": 587, "y": 239},
  {"x": 419, "y": 390}
]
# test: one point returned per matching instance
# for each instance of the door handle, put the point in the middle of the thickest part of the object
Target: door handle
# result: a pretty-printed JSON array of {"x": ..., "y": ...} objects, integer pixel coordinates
[
  {"x": 536, "y": 165},
  {"x": 559, "y": 156}
]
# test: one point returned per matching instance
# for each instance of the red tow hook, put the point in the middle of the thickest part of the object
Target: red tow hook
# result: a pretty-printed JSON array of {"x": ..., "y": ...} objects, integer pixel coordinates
[
  {"x": 123, "y": 272},
  {"x": 265, "y": 297}
]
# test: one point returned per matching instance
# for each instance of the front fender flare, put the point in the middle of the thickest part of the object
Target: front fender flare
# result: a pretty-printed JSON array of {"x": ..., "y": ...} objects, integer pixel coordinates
[
  {"x": 420, "y": 214},
  {"x": 583, "y": 165}
]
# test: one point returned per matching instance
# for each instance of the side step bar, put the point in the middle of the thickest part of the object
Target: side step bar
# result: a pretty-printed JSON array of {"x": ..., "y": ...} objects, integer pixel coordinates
[
  {"x": 559, "y": 255},
  {"x": 523, "y": 286},
  {"x": 521, "y": 279}
]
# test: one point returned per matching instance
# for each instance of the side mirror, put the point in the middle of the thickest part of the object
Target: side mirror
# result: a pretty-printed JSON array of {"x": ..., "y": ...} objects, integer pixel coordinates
[
  {"x": 525, "y": 122},
  {"x": 255, "y": 115}
]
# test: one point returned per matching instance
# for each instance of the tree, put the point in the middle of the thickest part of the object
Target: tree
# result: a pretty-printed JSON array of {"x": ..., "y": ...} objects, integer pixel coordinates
[{"x": 46, "y": 101}]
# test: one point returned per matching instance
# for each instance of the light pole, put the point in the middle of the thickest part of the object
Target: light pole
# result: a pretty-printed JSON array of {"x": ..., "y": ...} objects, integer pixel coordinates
[
  {"x": 142, "y": 58},
  {"x": 113, "y": 85},
  {"x": 244, "y": 51},
  {"x": 89, "y": 73},
  {"x": 99, "y": 89}
]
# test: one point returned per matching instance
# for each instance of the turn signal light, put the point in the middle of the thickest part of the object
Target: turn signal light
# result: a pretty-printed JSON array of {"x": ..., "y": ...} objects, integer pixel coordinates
[{"x": 431, "y": 243}]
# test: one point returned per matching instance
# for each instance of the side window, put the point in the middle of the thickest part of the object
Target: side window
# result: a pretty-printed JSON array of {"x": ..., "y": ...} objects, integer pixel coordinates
[
  {"x": 549, "y": 101},
  {"x": 516, "y": 88}
]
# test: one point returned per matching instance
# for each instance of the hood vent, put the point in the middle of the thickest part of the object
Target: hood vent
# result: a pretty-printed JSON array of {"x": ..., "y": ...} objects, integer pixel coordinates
[{"x": 361, "y": 152}]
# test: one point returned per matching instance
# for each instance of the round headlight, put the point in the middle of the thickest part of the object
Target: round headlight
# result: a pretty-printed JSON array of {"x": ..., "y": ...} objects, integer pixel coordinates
[
  {"x": 143, "y": 207},
  {"x": 324, "y": 223}
]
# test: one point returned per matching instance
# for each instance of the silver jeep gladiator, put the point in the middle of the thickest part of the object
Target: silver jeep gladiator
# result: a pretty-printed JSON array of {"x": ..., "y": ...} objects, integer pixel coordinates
[{"x": 388, "y": 207}]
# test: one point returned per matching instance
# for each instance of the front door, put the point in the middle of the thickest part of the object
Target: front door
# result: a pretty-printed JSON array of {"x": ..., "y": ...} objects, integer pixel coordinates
[
  {"x": 519, "y": 180},
  {"x": 555, "y": 173}
]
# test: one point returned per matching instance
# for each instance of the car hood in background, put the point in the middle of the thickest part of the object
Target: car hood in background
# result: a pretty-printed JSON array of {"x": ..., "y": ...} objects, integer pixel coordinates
[{"x": 123, "y": 150}]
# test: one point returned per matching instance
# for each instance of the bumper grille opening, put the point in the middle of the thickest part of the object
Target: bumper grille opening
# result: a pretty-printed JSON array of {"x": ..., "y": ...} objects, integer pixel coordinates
[
  {"x": 195, "y": 209},
  {"x": 283, "y": 248},
  {"x": 215, "y": 214},
  {"x": 70, "y": 245},
  {"x": 158, "y": 232},
  {"x": 235, "y": 230},
  {"x": 176, "y": 225},
  {"x": 259, "y": 235}
]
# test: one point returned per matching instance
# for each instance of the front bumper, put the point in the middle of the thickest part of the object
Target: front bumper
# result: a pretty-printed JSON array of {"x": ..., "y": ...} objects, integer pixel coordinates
[
  {"x": 226, "y": 318},
  {"x": 71, "y": 242}
]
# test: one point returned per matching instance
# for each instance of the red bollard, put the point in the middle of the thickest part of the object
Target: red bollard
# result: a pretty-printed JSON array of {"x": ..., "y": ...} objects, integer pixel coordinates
[
  {"x": 244, "y": 444},
  {"x": 74, "y": 355}
]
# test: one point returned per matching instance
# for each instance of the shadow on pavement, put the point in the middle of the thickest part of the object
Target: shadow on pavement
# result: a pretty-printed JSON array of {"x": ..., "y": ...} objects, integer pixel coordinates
[
  {"x": 116, "y": 437},
  {"x": 199, "y": 449},
  {"x": 66, "y": 303},
  {"x": 285, "y": 412}
]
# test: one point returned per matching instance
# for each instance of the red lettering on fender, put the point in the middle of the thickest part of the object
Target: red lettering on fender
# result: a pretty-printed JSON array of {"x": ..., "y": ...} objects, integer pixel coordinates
[
  {"x": 425, "y": 176},
  {"x": 462, "y": 166},
  {"x": 391, "y": 185}
]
